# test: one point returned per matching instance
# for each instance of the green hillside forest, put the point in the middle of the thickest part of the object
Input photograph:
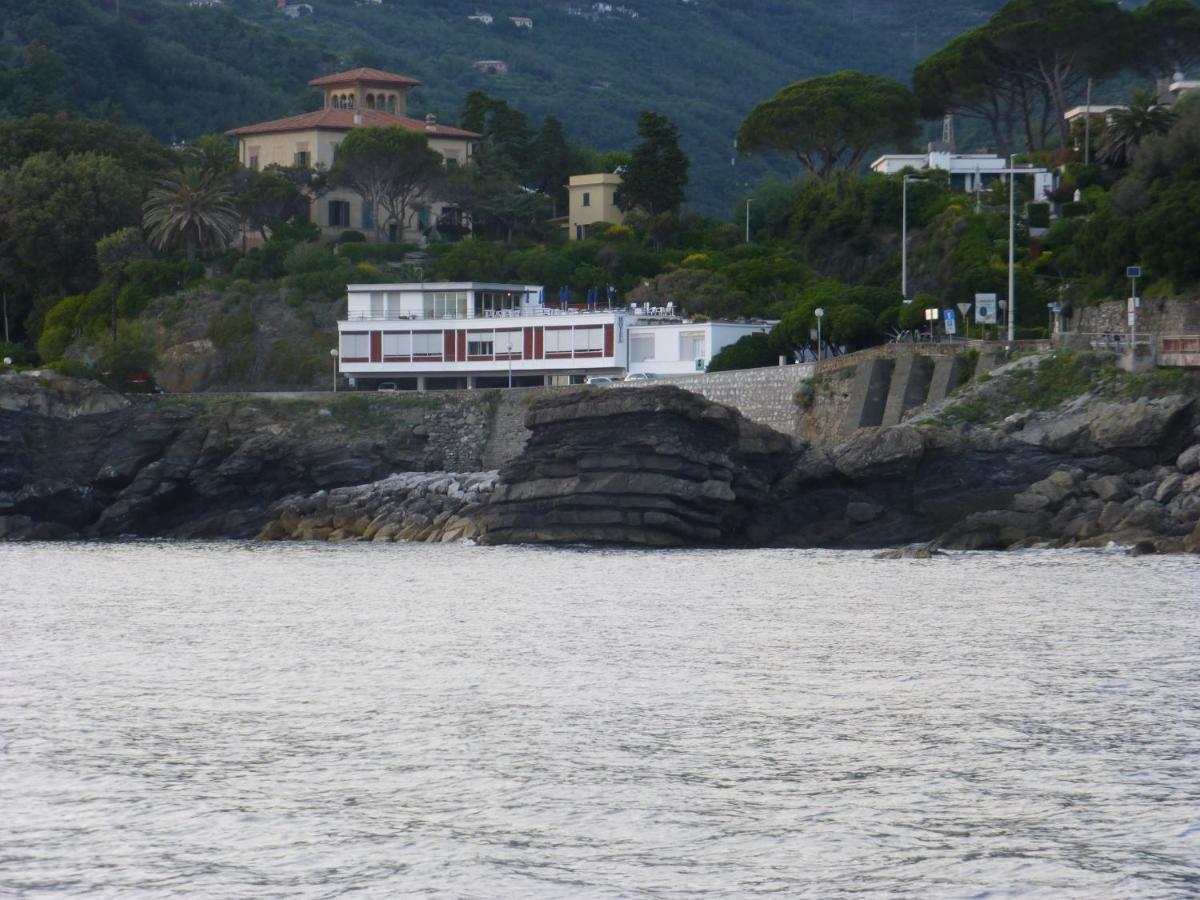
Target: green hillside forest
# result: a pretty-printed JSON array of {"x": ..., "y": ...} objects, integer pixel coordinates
[
  {"x": 117, "y": 248},
  {"x": 179, "y": 71}
]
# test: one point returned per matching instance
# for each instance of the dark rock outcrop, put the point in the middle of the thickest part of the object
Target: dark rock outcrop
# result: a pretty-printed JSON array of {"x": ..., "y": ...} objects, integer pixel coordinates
[
  {"x": 78, "y": 460},
  {"x": 657, "y": 466}
]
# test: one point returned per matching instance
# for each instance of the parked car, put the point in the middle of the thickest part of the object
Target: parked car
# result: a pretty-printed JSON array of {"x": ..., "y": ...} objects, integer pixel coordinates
[
  {"x": 388, "y": 386},
  {"x": 599, "y": 379},
  {"x": 640, "y": 376}
]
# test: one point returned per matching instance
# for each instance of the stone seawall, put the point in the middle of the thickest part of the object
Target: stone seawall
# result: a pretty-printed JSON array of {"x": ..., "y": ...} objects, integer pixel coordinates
[
  {"x": 1155, "y": 316},
  {"x": 766, "y": 396}
]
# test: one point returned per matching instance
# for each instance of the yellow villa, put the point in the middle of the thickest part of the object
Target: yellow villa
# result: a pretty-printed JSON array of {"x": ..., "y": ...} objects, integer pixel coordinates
[
  {"x": 592, "y": 198},
  {"x": 353, "y": 99}
]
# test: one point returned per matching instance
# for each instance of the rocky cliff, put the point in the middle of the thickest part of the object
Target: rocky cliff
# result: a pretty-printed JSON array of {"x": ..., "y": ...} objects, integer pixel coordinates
[
  {"x": 656, "y": 466},
  {"x": 78, "y": 460}
]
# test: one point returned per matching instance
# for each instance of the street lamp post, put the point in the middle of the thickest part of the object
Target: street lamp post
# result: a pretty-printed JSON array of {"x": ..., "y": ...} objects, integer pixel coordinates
[
  {"x": 820, "y": 314},
  {"x": 334, "y": 355},
  {"x": 1012, "y": 241},
  {"x": 904, "y": 235},
  {"x": 749, "y": 200}
]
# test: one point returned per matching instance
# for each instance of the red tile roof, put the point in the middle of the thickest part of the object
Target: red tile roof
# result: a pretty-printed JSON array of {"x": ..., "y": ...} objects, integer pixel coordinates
[
  {"x": 369, "y": 76},
  {"x": 343, "y": 120}
]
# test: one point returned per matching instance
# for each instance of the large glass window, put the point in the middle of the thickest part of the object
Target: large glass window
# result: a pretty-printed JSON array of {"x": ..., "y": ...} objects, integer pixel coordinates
[
  {"x": 397, "y": 344},
  {"x": 491, "y": 303},
  {"x": 480, "y": 343},
  {"x": 641, "y": 347},
  {"x": 377, "y": 304},
  {"x": 427, "y": 343},
  {"x": 356, "y": 346},
  {"x": 446, "y": 305}
]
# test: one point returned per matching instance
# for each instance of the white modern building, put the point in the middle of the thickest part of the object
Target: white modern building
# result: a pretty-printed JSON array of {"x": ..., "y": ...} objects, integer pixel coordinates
[
  {"x": 969, "y": 172},
  {"x": 454, "y": 335}
]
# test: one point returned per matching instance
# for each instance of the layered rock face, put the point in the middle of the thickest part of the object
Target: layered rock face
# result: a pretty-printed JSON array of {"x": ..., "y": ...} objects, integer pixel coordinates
[
  {"x": 78, "y": 460},
  {"x": 657, "y": 466}
]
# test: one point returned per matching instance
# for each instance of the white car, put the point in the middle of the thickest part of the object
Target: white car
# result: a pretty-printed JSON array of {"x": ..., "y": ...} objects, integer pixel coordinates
[
  {"x": 640, "y": 376},
  {"x": 599, "y": 379}
]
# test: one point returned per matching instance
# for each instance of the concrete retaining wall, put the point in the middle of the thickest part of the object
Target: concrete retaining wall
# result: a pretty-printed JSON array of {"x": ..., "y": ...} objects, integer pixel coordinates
[{"x": 765, "y": 395}]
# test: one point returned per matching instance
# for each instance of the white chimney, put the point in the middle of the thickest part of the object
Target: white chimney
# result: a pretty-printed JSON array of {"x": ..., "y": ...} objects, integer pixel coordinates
[{"x": 431, "y": 122}]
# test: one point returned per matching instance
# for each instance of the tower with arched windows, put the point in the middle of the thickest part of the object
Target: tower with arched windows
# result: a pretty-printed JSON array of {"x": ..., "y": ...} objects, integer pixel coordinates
[{"x": 353, "y": 99}]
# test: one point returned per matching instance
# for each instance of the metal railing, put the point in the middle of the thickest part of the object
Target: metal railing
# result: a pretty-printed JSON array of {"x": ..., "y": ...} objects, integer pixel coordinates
[{"x": 653, "y": 312}]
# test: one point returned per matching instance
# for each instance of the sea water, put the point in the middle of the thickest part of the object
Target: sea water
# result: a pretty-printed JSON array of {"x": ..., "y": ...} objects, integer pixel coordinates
[{"x": 309, "y": 720}]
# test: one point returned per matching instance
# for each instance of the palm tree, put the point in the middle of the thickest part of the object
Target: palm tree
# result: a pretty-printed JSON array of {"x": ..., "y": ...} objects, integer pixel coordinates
[
  {"x": 1130, "y": 125},
  {"x": 190, "y": 207}
]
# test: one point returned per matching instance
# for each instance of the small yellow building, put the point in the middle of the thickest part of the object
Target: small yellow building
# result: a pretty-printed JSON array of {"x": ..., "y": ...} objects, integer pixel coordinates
[
  {"x": 592, "y": 199},
  {"x": 353, "y": 99}
]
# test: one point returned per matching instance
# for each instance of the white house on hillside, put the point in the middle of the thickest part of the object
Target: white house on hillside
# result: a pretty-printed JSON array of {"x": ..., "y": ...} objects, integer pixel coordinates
[{"x": 969, "y": 172}]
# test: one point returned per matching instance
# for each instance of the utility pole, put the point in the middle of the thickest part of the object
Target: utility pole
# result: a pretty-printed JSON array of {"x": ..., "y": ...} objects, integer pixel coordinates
[
  {"x": 1012, "y": 240},
  {"x": 1087, "y": 126},
  {"x": 749, "y": 200}
]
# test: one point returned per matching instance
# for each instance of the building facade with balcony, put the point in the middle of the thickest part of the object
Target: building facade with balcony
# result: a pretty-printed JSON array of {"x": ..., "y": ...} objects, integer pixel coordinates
[{"x": 455, "y": 335}]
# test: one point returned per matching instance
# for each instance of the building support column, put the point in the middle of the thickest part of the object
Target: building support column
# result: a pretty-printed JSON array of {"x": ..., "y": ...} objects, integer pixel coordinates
[{"x": 421, "y": 383}]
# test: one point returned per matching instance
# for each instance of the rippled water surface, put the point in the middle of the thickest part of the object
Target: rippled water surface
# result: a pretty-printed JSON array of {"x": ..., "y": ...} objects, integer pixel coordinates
[{"x": 231, "y": 720}]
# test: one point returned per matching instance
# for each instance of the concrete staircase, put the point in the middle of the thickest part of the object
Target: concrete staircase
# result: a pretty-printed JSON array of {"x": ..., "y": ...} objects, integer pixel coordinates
[{"x": 886, "y": 387}]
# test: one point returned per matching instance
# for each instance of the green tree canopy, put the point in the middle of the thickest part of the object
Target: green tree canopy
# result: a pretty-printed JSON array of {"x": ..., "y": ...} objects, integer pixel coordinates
[
  {"x": 830, "y": 122},
  {"x": 1129, "y": 125},
  {"x": 113, "y": 253},
  {"x": 1025, "y": 67},
  {"x": 657, "y": 173},
  {"x": 55, "y": 209},
  {"x": 1167, "y": 36},
  {"x": 389, "y": 167},
  {"x": 266, "y": 198},
  {"x": 752, "y": 351},
  {"x": 190, "y": 208}
]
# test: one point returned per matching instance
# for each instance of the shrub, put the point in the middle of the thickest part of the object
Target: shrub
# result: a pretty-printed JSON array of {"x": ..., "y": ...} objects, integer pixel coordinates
[
  {"x": 306, "y": 258},
  {"x": 752, "y": 351},
  {"x": 18, "y": 353},
  {"x": 352, "y": 237},
  {"x": 133, "y": 351},
  {"x": 1039, "y": 215},
  {"x": 356, "y": 252},
  {"x": 73, "y": 368},
  {"x": 225, "y": 329}
]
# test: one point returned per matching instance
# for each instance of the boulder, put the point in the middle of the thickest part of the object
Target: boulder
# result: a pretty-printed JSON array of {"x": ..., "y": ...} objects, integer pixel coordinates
[
  {"x": 1108, "y": 487},
  {"x": 880, "y": 453},
  {"x": 995, "y": 530},
  {"x": 1138, "y": 424},
  {"x": 1189, "y": 460}
]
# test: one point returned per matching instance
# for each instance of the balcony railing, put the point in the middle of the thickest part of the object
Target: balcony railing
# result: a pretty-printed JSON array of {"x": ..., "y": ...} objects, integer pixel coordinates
[{"x": 655, "y": 312}]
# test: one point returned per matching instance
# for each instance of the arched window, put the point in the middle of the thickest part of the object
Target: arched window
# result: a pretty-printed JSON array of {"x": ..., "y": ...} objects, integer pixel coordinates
[{"x": 350, "y": 101}]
